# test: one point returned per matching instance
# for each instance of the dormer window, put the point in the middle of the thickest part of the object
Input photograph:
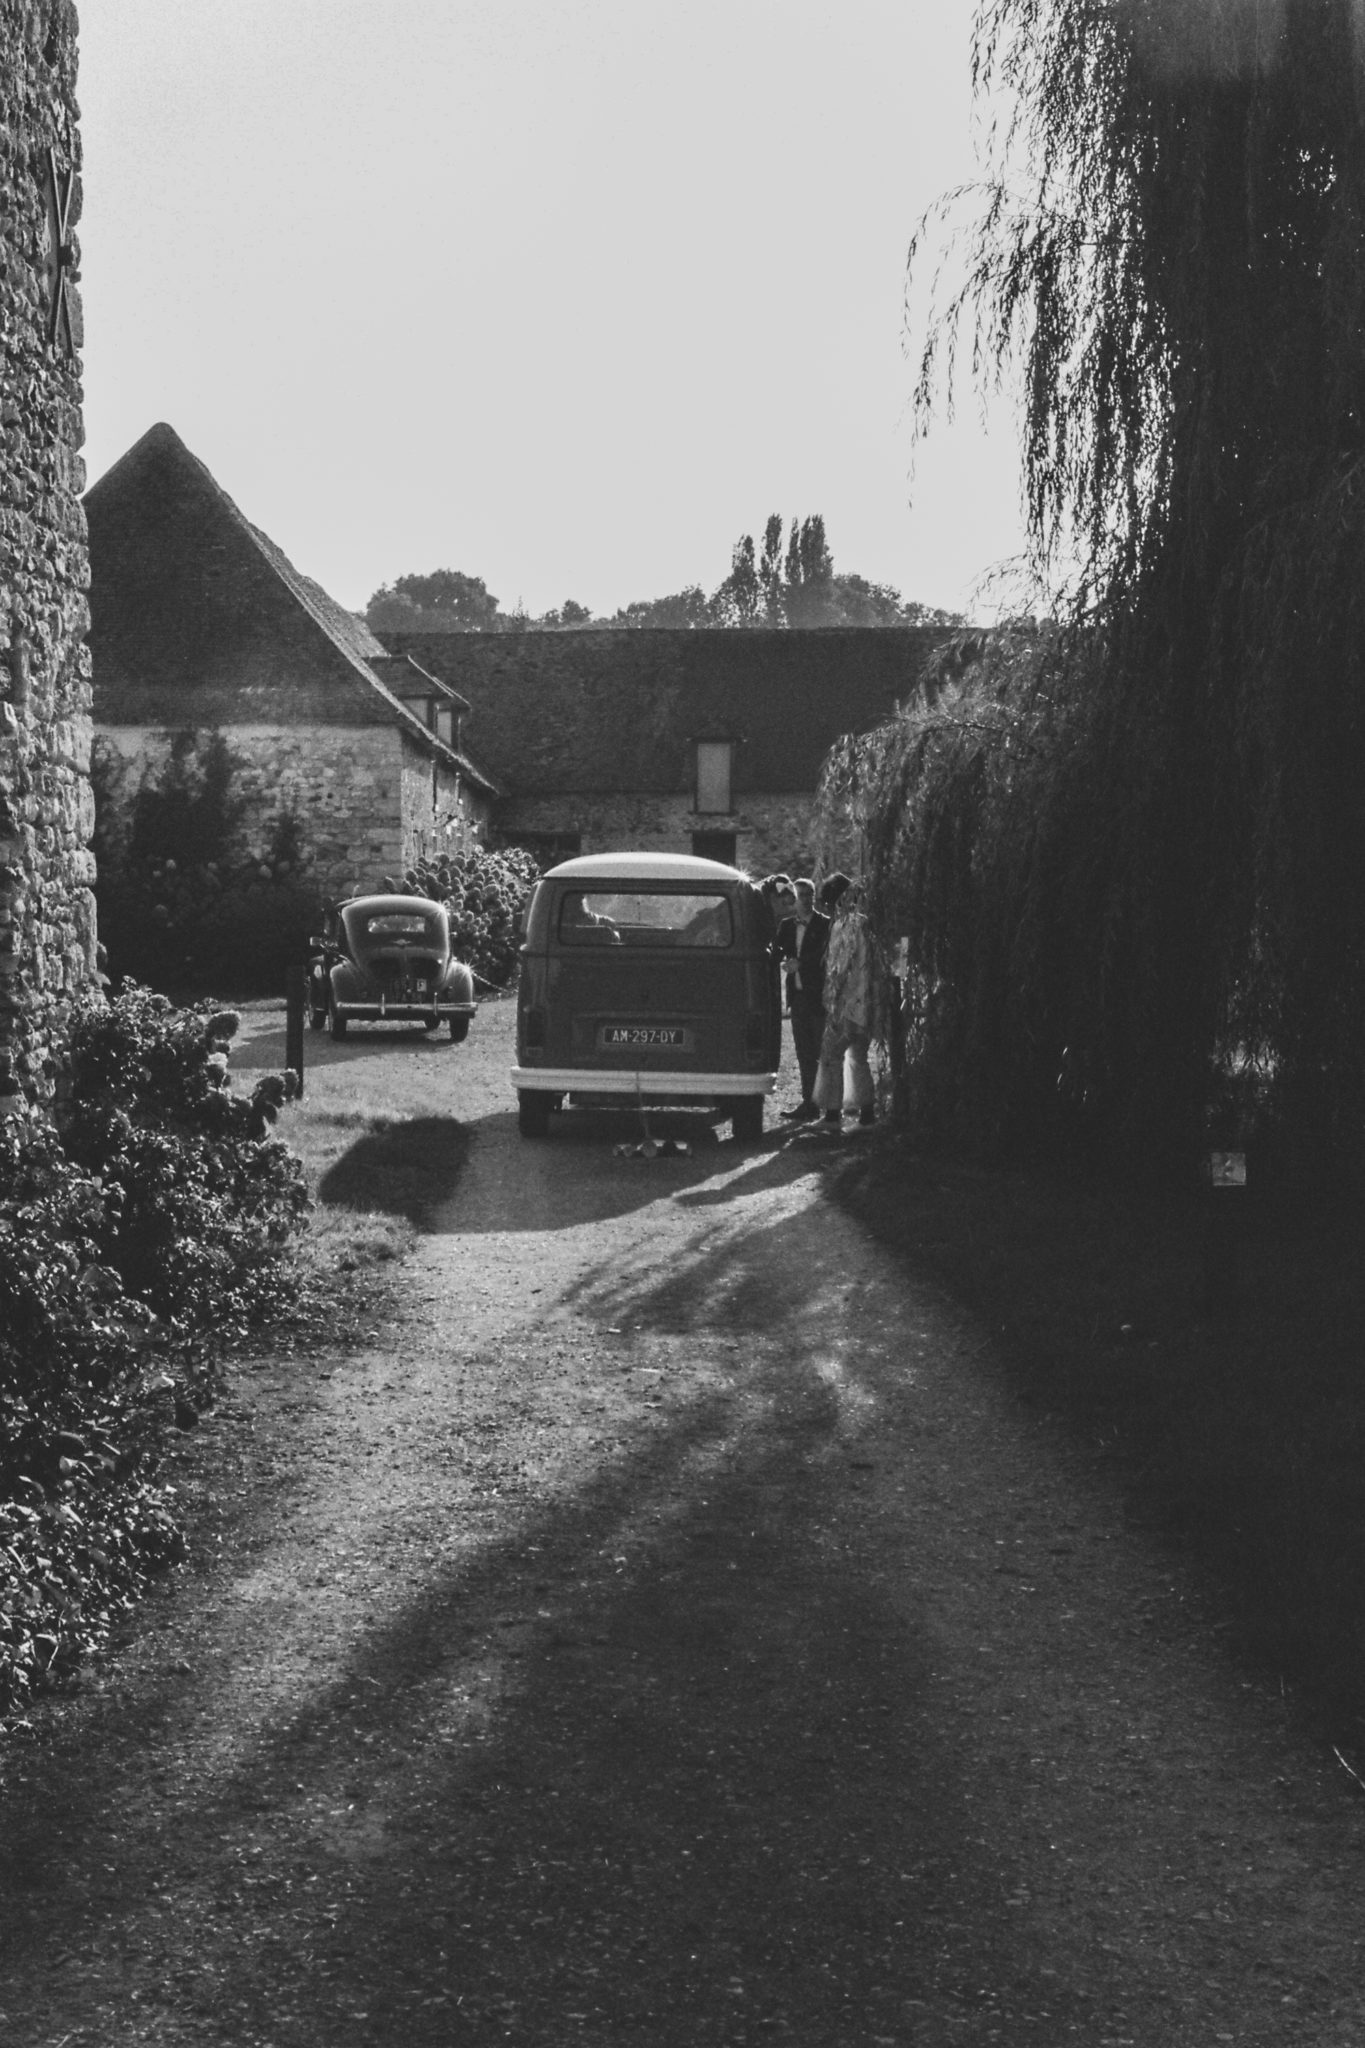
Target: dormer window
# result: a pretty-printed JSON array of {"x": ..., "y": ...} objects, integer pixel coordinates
[
  {"x": 445, "y": 724},
  {"x": 714, "y": 761}
]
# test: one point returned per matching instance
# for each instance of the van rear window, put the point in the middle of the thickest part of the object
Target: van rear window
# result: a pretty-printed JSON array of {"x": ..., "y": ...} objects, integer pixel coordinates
[{"x": 629, "y": 917}]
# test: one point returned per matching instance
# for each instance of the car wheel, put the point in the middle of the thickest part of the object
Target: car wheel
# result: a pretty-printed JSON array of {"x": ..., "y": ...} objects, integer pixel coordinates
[
  {"x": 317, "y": 1018},
  {"x": 336, "y": 1023},
  {"x": 746, "y": 1114},
  {"x": 533, "y": 1112},
  {"x": 459, "y": 1030}
]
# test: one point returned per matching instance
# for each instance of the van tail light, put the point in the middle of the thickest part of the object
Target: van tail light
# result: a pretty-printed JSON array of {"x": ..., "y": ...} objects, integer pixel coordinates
[
  {"x": 756, "y": 1032},
  {"x": 533, "y": 1028}
]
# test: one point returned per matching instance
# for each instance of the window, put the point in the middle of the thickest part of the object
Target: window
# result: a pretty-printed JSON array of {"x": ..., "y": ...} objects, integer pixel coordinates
[
  {"x": 445, "y": 724},
  {"x": 397, "y": 924},
  {"x": 713, "y": 774},
  {"x": 619, "y": 917}
]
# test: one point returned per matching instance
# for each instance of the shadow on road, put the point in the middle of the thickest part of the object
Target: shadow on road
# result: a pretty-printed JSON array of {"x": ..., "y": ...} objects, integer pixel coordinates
[
  {"x": 404, "y": 1169},
  {"x": 578, "y": 1176},
  {"x": 661, "y": 1764}
]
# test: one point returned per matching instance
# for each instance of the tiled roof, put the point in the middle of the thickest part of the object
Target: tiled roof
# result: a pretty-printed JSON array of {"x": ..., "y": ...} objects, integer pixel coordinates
[
  {"x": 197, "y": 617},
  {"x": 615, "y": 711}
]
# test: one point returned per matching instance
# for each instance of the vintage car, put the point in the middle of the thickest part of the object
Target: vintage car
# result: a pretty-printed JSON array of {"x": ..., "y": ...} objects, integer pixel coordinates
[
  {"x": 647, "y": 979},
  {"x": 388, "y": 959}
]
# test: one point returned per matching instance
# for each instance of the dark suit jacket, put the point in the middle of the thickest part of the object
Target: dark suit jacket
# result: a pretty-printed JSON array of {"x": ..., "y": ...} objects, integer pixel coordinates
[{"x": 810, "y": 957}]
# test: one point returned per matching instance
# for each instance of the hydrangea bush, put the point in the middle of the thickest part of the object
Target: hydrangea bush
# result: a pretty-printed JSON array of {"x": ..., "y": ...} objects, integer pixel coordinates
[
  {"x": 136, "y": 1233},
  {"x": 484, "y": 893}
]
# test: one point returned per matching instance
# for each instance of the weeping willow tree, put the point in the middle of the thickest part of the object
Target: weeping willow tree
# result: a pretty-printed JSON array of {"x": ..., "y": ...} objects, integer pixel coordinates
[{"x": 1130, "y": 854}]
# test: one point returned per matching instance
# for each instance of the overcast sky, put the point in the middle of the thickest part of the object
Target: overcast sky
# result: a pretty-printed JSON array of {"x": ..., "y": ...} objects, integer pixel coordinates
[{"x": 563, "y": 293}]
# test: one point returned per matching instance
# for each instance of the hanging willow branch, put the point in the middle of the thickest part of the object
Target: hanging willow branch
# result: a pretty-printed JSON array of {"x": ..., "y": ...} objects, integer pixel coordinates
[{"x": 1137, "y": 861}]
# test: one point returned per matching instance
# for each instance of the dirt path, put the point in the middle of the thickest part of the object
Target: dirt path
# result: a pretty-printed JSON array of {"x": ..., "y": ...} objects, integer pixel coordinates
[{"x": 672, "y": 1634}]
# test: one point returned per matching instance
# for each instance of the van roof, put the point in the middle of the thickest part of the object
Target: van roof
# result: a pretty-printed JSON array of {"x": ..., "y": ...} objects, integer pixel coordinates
[{"x": 647, "y": 867}]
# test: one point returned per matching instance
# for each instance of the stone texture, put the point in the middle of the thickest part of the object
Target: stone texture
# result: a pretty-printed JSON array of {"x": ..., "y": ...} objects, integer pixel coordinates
[
  {"x": 201, "y": 623},
  {"x": 47, "y": 917},
  {"x": 593, "y": 734},
  {"x": 772, "y": 833},
  {"x": 370, "y": 799}
]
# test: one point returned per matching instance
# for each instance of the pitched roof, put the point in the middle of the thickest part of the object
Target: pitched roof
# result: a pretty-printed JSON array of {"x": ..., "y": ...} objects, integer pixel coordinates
[
  {"x": 198, "y": 618},
  {"x": 613, "y": 711}
]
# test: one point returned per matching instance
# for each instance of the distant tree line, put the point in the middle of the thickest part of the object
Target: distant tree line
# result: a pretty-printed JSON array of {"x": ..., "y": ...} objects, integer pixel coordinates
[{"x": 783, "y": 582}]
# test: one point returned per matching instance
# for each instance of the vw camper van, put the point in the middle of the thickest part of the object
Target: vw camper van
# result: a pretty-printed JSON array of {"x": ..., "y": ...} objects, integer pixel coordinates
[{"x": 647, "y": 978}]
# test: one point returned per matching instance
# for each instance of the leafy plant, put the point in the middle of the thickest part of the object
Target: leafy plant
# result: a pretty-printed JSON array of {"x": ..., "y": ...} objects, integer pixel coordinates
[
  {"x": 1143, "y": 851},
  {"x": 183, "y": 902},
  {"x": 484, "y": 892},
  {"x": 206, "y": 1199},
  {"x": 136, "y": 1236}
]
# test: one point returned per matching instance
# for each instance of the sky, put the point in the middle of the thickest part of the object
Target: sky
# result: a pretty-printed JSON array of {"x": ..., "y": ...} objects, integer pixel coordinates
[{"x": 565, "y": 294}]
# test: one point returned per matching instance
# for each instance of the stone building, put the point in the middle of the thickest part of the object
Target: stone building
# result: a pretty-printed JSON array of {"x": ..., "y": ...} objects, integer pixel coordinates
[
  {"x": 706, "y": 742},
  {"x": 199, "y": 624},
  {"x": 47, "y": 916}
]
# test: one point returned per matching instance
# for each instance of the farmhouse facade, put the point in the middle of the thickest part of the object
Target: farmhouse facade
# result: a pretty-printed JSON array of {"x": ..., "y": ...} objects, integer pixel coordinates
[
  {"x": 47, "y": 915},
  {"x": 200, "y": 624},
  {"x": 705, "y": 742}
]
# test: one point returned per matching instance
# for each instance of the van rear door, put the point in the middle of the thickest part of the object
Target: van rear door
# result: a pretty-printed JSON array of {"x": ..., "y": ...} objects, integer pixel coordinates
[{"x": 649, "y": 977}]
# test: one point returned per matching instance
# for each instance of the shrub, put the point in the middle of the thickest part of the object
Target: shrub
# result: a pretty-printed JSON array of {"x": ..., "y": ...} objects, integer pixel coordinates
[
  {"x": 484, "y": 892},
  {"x": 184, "y": 902},
  {"x": 206, "y": 1200},
  {"x": 134, "y": 1237}
]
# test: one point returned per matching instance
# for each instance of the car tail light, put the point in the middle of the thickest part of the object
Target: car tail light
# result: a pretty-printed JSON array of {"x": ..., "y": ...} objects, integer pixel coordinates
[{"x": 533, "y": 1030}]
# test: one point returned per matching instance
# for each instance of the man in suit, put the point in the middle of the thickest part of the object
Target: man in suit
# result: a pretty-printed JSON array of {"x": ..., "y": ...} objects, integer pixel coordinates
[{"x": 801, "y": 942}]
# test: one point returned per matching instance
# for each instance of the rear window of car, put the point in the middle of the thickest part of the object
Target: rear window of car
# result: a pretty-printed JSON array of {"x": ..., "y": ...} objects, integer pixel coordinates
[
  {"x": 637, "y": 917},
  {"x": 394, "y": 924}
]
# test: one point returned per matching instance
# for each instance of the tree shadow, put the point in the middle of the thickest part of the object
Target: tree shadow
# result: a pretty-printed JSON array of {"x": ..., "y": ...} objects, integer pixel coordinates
[
  {"x": 666, "y": 1762},
  {"x": 404, "y": 1169}
]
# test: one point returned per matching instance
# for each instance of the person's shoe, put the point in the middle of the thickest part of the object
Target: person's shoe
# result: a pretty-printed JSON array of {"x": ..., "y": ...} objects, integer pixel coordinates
[
  {"x": 802, "y": 1113},
  {"x": 867, "y": 1116}
]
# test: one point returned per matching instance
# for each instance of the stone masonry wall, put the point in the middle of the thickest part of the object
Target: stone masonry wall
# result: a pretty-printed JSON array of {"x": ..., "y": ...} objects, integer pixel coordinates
[
  {"x": 442, "y": 814},
  {"x": 365, "y": 796},
  {"x": 772, "y": 833},
  {"x": 47, "y": 915}
]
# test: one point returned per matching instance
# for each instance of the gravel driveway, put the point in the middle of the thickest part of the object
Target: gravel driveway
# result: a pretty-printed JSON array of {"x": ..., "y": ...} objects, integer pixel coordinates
[{"x": 670, "y": 1633}]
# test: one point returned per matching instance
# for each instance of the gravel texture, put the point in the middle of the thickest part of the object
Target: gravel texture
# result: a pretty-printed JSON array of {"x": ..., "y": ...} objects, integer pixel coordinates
[{"x": 668, "y": 1630}]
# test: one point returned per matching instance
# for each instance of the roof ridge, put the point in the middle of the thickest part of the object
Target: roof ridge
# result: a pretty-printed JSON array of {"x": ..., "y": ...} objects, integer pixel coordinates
[{"x": 348, "y": 634}]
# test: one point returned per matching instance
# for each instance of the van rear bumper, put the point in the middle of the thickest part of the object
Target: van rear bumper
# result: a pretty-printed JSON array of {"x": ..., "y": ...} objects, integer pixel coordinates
[{"x": 654, "y": 1085}]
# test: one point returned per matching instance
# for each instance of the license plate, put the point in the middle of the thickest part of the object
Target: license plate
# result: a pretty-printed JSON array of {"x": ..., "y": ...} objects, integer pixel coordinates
[{"x": 644, "y": 1034}]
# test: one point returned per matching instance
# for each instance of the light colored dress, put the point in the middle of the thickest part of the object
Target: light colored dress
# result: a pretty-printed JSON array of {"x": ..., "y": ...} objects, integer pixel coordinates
[{"x": 849, "y": 1002}]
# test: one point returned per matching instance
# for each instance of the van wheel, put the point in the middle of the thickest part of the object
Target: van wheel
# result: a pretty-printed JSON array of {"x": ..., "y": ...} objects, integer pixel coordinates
[
  {"x": 746, "y": 1114},
  {"x": 533, "y": 1112},
  {"x": 336, "y": 1024},
  {"x": 459, "y": 1030}
]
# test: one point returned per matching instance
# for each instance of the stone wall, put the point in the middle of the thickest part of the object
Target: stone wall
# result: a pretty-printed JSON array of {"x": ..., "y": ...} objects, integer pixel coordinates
[
  {"x": 442, "y": 813},
  {"x": 368, "y": 799},
  {"x": 47, "y": 919},
  {"x": 772, "y": 833}
]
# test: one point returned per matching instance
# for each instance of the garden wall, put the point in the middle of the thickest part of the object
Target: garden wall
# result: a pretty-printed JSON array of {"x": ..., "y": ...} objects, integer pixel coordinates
[
  {"x": 47, "y": 914},
  {"x": 368, "y": 800}
]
